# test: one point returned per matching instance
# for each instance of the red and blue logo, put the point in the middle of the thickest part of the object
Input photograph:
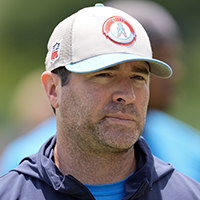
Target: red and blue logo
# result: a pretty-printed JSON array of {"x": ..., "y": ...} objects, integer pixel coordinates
[
  {"x": 119, "y": 30},
  {"x": 55, "y": 51}
]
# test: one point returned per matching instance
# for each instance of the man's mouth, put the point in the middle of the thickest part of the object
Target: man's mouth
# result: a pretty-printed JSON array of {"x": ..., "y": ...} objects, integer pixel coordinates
[{"x": 120, "y": 118}]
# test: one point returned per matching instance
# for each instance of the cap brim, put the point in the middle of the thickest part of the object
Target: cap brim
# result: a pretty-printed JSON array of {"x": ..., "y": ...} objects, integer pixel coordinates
[{"x": 96, "y": 63}]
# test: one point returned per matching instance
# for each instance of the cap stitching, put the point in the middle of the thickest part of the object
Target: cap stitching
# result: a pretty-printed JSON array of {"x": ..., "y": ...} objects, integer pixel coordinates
[{"x": 71, "y": 36}]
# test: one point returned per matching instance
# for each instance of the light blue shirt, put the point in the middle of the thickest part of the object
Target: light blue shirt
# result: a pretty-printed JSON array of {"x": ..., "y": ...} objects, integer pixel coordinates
[
  {"x": 26, "y": 145},
  {"x": 173, "y": 141},
  {"x": 112, "y": 191}
]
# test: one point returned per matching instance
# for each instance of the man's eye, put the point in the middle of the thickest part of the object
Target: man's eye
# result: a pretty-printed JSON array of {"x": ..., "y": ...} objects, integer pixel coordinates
[
  {"x": 103, "y": 75},
  {"x": 138, "y": 77}
]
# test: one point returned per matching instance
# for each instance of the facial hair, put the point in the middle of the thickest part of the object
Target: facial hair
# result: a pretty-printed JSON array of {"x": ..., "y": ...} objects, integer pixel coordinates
[{"x": 94, "y": 133}]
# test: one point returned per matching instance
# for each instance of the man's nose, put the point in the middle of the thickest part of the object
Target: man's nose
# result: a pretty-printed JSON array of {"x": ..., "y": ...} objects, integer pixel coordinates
[{"x": 124, "y": 92}]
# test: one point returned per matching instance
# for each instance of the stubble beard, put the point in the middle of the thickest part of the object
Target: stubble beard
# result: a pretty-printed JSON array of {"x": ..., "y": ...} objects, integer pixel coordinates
[{"x": 99, "y": 137}]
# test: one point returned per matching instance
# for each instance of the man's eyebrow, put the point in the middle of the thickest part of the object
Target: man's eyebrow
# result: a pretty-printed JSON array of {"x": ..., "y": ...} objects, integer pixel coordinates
[{"x": 140, "y": 70}]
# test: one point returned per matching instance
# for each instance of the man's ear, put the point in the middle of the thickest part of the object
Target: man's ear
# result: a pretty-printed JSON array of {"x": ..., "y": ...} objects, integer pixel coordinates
[{"x": 52, "y": 86}]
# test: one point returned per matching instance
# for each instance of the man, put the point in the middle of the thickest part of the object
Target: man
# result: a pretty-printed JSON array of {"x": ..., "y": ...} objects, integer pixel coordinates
[
  {"x": 167, "y": 137},
  {"x": 97, "y": 80}
]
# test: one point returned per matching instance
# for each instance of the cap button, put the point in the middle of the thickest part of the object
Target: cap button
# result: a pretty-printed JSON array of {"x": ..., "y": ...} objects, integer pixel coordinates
[{"x": 99, "y": 5}]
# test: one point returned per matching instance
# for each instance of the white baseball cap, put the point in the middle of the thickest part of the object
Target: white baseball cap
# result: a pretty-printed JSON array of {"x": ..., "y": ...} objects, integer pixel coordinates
[{"x": 99, "y": 37}]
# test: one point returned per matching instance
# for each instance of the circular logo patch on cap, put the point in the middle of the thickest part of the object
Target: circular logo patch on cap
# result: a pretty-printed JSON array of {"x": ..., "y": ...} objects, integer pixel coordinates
[{"x": 119, "y": 30}]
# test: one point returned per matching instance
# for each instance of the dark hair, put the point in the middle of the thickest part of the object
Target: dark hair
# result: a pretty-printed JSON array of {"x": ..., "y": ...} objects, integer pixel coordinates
[{"x": 64, "y": 75}]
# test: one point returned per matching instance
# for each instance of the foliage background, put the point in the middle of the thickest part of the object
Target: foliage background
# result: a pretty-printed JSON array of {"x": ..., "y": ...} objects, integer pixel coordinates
[{"x": 25, "y": 27}]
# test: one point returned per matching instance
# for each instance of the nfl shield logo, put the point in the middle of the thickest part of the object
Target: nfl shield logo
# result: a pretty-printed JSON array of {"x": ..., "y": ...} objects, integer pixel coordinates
[{"x": 55, "y": 51}]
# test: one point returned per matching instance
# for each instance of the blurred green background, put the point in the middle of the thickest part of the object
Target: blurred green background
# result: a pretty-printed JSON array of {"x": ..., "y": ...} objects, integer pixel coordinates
[{"x": 25, "y": 27}]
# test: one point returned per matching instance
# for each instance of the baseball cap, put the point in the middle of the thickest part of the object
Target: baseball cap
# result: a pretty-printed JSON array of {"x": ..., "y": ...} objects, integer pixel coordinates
[{"x": 99, "y": 37}]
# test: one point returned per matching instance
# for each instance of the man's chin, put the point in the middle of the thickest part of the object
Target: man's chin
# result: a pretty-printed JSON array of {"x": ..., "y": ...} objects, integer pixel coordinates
[{"x": 119, "y": 140}]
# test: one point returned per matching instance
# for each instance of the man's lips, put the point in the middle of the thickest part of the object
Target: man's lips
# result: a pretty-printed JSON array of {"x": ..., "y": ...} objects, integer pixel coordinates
[{"x": 120, "y": 118}]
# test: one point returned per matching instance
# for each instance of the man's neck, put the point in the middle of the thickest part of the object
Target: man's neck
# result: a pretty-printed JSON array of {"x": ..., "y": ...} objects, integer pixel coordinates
[{"x": 95, "y": 169}]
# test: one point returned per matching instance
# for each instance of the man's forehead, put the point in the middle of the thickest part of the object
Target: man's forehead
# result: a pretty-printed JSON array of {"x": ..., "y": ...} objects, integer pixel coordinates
[{"x": 135, "y": 66}]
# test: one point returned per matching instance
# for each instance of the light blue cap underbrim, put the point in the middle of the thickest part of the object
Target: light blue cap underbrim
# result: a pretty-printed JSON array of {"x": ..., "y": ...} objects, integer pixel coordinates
[{"x": 103, "y": 61}]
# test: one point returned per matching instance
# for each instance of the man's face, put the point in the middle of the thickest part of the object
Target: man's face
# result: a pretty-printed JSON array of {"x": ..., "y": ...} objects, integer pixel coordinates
[{"x": 105, "y": 110}]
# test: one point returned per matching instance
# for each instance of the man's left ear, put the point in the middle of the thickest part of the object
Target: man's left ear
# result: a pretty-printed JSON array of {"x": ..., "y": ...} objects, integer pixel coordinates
[{"x": 51, "y": 83}]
